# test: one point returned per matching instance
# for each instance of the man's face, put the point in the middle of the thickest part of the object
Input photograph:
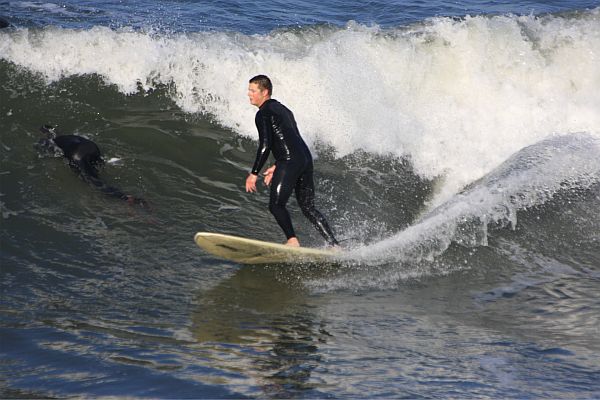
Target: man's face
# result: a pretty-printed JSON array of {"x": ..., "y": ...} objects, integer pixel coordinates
[{"x": 257, "y": 95}]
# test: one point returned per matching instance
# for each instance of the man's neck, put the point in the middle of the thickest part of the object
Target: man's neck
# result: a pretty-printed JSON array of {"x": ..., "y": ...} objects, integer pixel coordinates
[{"x": 264, "y": 102}]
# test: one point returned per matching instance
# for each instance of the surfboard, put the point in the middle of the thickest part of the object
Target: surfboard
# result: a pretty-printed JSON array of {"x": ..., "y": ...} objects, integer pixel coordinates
[{"x": 251, "y": 251}]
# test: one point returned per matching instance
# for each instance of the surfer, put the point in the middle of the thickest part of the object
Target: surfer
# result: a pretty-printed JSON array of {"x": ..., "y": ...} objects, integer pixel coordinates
[
  {"x": 84, "y": 158},
  {"x": 293, "y": 169}
]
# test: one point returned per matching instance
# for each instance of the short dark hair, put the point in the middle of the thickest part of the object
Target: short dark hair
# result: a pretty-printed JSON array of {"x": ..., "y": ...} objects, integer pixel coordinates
[{"x": 263, "y": 82}]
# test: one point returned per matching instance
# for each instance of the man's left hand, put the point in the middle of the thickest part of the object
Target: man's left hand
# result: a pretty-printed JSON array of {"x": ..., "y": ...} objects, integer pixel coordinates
[{"x": 269, "y": 175}]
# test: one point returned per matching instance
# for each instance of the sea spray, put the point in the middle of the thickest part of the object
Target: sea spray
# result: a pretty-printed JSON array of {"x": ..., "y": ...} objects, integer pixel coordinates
[
  {"x": 558, "y": 169},
  {"x": 530, "y": 178}
]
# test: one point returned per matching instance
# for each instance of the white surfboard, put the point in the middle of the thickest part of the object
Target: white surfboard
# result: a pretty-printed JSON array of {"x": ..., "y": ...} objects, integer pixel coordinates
[{"x": 250, "y": 251}]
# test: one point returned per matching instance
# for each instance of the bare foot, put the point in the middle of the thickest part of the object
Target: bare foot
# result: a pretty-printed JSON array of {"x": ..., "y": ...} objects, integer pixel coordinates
[{"x": 293, "y": 242}]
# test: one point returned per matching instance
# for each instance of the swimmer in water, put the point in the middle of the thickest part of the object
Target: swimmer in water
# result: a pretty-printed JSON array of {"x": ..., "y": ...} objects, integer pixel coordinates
[
  {"x": 293, "y": 169},
  {"x": 84, "y": 158}
]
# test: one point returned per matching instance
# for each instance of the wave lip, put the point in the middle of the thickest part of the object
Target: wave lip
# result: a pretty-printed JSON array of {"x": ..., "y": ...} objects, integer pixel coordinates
[{"x": 529, "y": 178}]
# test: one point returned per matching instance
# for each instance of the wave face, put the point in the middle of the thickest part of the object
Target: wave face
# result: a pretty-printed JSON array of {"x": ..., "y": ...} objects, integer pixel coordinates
[{"x": 457, "y": 97}]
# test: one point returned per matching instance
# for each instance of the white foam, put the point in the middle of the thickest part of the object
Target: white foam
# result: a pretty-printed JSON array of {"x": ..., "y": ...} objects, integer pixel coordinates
[
  {"x": 456, "y": 97},
  {"x": 114, "y": 160}
]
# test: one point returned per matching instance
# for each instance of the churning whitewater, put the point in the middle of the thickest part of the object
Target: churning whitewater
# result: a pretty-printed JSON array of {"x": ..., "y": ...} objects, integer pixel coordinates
[{"x": 457, "y": 97}]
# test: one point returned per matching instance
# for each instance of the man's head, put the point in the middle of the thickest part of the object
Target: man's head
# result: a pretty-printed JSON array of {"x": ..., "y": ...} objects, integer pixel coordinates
[{"x": 260, "y": 89}]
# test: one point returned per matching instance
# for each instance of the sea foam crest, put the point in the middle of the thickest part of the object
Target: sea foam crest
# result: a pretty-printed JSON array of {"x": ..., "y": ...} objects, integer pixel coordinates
[{"x": 456, "y": 97}]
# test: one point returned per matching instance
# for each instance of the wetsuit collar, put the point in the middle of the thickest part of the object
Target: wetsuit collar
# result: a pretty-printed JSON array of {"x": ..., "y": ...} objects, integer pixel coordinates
[{"x": 265, "y": 103}]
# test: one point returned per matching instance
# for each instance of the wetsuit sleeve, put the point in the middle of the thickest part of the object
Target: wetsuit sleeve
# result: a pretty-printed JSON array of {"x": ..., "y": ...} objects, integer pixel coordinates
[{"x": 265, "y": 140}]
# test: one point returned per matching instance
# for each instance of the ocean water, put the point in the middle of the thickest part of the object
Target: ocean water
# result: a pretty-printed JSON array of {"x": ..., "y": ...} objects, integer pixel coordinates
[{"x": 457, "y": 155}]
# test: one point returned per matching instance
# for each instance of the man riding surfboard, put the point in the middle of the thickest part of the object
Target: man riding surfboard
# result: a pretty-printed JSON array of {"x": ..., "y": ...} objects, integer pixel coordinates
[{"x": 293, "y": 169}]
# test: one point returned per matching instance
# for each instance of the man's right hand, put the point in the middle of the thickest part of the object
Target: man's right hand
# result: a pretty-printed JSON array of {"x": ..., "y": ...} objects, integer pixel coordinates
[{"x": 251, "y": 183}]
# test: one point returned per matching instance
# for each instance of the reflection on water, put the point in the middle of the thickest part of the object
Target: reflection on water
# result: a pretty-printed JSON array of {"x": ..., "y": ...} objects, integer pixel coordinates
[{"x": 261, "y": 326}]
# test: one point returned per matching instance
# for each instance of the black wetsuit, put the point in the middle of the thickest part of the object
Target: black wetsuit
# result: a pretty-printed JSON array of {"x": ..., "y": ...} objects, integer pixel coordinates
[
  {"x": 278, "y": 133},
  {"x": 84, "y": 157}
]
